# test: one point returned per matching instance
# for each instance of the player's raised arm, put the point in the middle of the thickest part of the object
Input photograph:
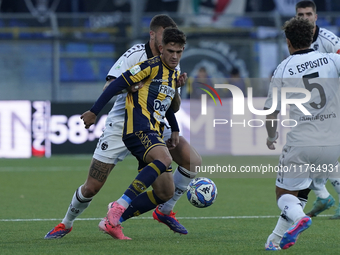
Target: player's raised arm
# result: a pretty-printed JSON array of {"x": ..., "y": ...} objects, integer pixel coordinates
[{"x": 115, "y": 86}]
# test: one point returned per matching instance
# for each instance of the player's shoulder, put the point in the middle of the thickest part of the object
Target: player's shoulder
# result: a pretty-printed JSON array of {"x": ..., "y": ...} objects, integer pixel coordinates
[
  {"x": 137, "y": 52},
  {"x": 154, "y": 61},
  {"x": 279, "y": 69},
  {"x": 326, "y": 35},
  {"x": 325, "y": 32}
]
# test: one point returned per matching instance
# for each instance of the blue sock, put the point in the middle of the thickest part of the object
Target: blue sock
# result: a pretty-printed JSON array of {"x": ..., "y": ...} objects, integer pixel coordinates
[
  {"x": 145, "y": 178},
  {"x": 141, "y": 204}
]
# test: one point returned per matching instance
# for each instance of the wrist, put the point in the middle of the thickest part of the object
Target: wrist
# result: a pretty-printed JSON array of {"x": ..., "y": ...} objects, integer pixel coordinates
[{"x": 272, "y": 139}]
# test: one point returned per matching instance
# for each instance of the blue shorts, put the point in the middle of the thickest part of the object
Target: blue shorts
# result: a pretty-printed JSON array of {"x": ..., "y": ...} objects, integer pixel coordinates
[{"x": 141, "y": 142}]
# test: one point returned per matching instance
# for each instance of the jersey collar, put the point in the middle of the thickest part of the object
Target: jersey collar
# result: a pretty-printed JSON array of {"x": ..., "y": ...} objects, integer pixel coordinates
[
  {"x": 316, "y": 34},
  {"x": 302, "y": 51},
  {"x": 148, "y": 50}
]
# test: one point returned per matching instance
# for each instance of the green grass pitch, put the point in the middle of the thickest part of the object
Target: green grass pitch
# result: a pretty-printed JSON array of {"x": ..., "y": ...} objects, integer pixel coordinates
[{"x": 35, "y": 194}]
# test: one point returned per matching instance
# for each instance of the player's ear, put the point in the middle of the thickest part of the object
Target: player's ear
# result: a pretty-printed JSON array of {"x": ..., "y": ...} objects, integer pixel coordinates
[
  {"x": 289, "y": 44},
  {"x": 160, "y": 47},
  {"x": 316, "y": 17},
  {"x": 152, "y": 35}
]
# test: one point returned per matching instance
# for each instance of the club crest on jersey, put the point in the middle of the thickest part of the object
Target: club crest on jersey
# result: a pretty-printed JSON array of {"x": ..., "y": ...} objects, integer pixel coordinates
[
  {"x": 134, "y": 70},
  {"x": 164, "y": 89}
]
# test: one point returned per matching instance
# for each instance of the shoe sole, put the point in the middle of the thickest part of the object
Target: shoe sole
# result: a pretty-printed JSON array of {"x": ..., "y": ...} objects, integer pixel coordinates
[{"x": 290, "y": 237}]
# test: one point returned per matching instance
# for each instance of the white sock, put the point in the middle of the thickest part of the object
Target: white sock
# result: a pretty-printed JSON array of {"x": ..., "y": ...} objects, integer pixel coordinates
[
  {"x": 336, "y": 185},
  {"x": 322, "y": 193},
  {"x": 281, "y": 227},
  {"x": 182, "y": 178},
  {"x": 124, "y": 200},
  {"x": 291, "y": 207},
  {"x": 303, "y": 202},
  {"x": 78, "y": 204}
]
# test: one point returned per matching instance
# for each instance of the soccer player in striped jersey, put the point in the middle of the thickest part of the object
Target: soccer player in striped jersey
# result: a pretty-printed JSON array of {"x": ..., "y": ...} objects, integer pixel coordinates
[
  {"x": 327, "y": 42},
  {"x": 111, "y": 149},
  {"x": 145, "y": 111},
  {"x": 313, "y": 144}
]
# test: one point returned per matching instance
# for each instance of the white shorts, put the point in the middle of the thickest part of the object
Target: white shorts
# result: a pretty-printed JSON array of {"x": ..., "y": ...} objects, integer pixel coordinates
[
  {"x": 306, "y": 167},
  {"x": 110, "y": 147},
  {"x": 167, "y": 133}
]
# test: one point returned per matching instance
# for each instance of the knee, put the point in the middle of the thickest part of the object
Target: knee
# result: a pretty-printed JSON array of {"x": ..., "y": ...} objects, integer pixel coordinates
[
  {"x": 90, "y": 190},
  {"x": 166, "y": 160},
  {"x": 196, "y": 160},
  {"x": 192, "y": 163}
]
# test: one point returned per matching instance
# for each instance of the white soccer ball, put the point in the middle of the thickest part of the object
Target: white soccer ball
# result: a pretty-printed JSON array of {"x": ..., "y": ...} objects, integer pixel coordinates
[{"x": 201, "y": 192}]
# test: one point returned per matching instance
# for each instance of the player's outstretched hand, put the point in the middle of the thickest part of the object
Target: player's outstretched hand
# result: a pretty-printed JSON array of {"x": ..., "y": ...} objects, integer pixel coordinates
[
  {"x": 135, "y": 87},
  {"x": 89, "y": 118},
  {"x": 182, "y": 79},
  {"x": 173, "y": 141},
  {"x": 271, "y": 141}
]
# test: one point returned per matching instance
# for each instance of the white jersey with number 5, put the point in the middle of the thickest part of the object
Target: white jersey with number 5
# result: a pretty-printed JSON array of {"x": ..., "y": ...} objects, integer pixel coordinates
[{"x": 318, "y": 73}]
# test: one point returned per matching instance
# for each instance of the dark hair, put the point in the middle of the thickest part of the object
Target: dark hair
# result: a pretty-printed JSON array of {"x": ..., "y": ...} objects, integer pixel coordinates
[
  {"x": 299, "y": 31},
  {"x": 305, "y": 4},
  {"x": 173, "y": 35},
  {"x": 161, "y": 20}
]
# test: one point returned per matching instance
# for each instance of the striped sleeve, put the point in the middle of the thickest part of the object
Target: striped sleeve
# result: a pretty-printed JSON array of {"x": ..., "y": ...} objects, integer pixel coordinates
[{"x": 137, "y": 73}]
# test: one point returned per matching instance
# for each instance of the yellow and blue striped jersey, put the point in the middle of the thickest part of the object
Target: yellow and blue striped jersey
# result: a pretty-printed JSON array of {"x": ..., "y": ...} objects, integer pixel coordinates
[{"x": 146, "y": 108}]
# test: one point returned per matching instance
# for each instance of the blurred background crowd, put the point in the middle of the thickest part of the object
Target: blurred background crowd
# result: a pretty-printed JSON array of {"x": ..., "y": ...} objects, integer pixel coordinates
[{"x": 61, "y": 50}]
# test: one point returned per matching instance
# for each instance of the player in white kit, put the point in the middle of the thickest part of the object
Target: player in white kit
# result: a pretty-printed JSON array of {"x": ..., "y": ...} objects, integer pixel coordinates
[
  {"x": 310, "y": 81},
  {"x": 323, "y": 41},
  {"x": 111, "y": 149}
]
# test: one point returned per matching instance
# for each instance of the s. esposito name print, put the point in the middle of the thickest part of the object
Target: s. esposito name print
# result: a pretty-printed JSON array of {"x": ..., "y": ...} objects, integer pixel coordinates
[{"x": 254, "y": 122}]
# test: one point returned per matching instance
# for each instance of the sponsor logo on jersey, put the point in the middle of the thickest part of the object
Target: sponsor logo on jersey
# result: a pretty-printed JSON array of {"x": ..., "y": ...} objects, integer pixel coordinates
[
  {"x": 164, "y": 89},
  {"x": 119, "y": 65},
  {"x": 159, "y": 80},
  {"x": 160, "y": 108},
  {"x": 134, "y": 70}
]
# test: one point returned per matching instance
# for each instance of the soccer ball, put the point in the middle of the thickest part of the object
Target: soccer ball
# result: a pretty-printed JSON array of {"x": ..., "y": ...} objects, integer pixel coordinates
[{"x": 201, "y": 192}]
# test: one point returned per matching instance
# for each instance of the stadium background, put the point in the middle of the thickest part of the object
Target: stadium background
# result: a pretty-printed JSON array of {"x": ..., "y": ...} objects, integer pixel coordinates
[
  {"x": 55, "y": 55},
  {"x": 54, "y": 59}
]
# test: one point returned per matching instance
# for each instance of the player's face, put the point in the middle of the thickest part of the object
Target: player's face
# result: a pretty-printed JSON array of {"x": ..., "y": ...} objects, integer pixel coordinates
[
  {"x": 158, "y": 37},
  {"x": 307, "y": 13},
  {"x": 171, "y": 54}
]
